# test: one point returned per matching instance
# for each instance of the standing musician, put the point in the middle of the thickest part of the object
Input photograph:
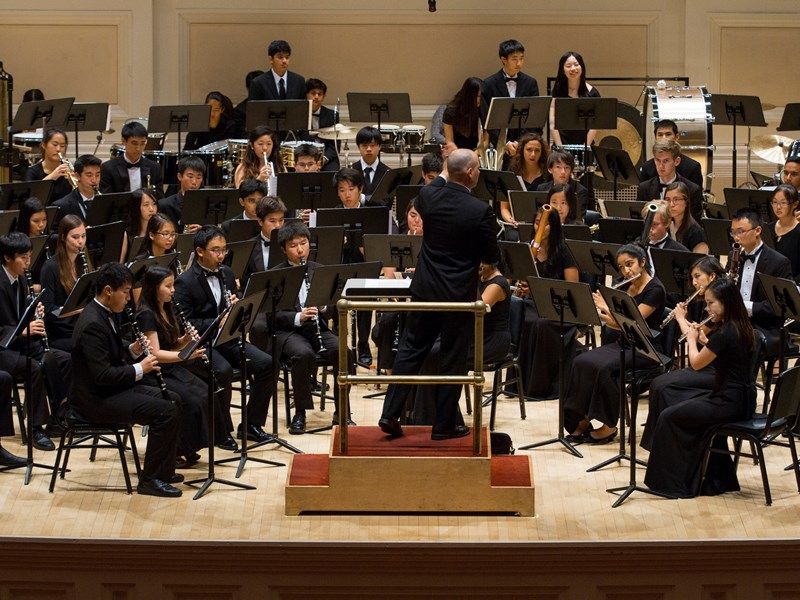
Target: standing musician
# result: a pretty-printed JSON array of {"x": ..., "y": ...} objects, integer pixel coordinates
[
  {"x": 667, "y": 157},
  {"x": 302, "y": 334},
  {"x": 786, "y": 229},
  {"x": 460, "y": 232},
  {"x": 131, "y": 170},
  {"x": 687, "y": 168},
  {"x": 560, "y": 166},
  {"x": 684, "y": 228},
  {"x": 87, "y": 168},
  {"x": 191, "y": 172},
  {"x": 204, "y": 291},
  {"x": 111, "y": 389},
  {"x": 462, "y": 117},
  {"x": 261, "y": 142},
  {"x": 368, "y": 140},
  {"x": 571, "y": 83},
  {"x": 52, "y": 167},
  {"x": 278, "y": 83},
  {"x": 321, "y": 117}
]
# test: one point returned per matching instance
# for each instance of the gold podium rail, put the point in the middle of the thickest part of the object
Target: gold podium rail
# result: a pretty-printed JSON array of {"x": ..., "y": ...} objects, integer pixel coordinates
[{"x": 344, "y": 379}]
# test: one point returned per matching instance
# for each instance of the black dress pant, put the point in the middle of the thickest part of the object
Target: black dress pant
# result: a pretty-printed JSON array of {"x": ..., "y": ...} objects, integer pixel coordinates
[
  {"x": 259, "y": 372},
  {"x": 14, "y": 362},
  {"x": 300, "y": 351}
]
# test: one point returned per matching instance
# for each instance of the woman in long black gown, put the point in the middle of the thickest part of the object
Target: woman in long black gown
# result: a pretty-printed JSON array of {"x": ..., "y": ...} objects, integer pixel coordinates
[
  {"x": 786, "y": 227},
  {"x": 592, "y": 387},
  {"x": 677, "y": 386},
  {"x": 682, "y": 431}
]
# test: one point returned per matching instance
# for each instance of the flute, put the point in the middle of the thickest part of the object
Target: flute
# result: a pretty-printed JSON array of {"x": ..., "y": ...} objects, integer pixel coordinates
[
  {"x": 671, "y": 314},
  {"x": 619, "y": 284},
  {"x": 146, "y": 350},
  {"x": 701, "y": 323}
]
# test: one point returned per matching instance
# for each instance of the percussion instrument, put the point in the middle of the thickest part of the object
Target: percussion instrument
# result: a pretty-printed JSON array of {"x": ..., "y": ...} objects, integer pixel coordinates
[
  {"x": 236, "y": 151},
  {"x": 117, "y": 150},
  {"x": 772, "y": 148},
  {"x": 584, "y": 157},
  {"x": 627, "y": 135},
  {"x": 413, "y": 137},
  {"x": 389, "y": 136},
  {"x": 216, "y": 171},
  {"x": 31, "y": 139},
  {"x": 289, "y": 147},
  {"x": 338, "y": 131},
  {"x": 167, "y": 160}
]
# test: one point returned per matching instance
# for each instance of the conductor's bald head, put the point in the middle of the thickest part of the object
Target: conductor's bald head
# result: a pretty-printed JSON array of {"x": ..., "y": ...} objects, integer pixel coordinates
[{"x": 463, "y": 167}]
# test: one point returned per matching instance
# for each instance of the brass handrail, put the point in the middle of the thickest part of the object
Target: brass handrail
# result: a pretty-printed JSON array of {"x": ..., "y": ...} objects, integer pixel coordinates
[{"x": 476, "y": 380}]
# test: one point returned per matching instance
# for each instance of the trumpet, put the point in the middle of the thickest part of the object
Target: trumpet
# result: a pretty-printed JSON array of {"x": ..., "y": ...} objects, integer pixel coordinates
[
  {"x": 671, "y": 314},
  {"x": 39, "y": 315},
  {"x": 701, "y": 323},
  {"x": 625, "y": 282},
  {"x": 71, "y": 176}
]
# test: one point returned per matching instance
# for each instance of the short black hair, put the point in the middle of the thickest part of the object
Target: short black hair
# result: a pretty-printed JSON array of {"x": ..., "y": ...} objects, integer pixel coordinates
[
  {"x": 14, "y": 243},
  {"x": 307, "y": 150},
  {"x": 316, "y": 84},
  {"x": 748, "y": 214},
  {"x": 291, "y": 231},
  {"x": 248, "y": 79},
  {"x": 351, "y": 176},
  {"x": 557, "y": 156},
  {"x": 86, "y": 160},
  {"x": 133, "y": 129},
  {"x": 251, "y": 186},
  {"x": 195, "y": 163},
  {"x": 432, "y": 162},
  {"x": 276, "y": 46},
  {"x": 368, "y": 134},
  {"x": 268, "y": 205},
  {"x": 664, "y": 124},
  {"x": 114, "y": 275},
  {"x": 508, "y": 47},
  {"x": 205, "y": 234}
]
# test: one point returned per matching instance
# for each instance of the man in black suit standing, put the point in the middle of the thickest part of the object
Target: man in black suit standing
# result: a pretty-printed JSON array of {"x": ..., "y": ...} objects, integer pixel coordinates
[
  {"x": 131, "y": 171},
  {"x": 688, "y": 168},
  {"x": 109, "y": 388},
  {"x": 87, "y": 168},
  {"x": 321, "y": 117},
  {"x": 508, "y": 82},
  {"x": 667, "y": 157},
  {"x": 460, "y": 232},
  {"x": 278, "y": 83}
]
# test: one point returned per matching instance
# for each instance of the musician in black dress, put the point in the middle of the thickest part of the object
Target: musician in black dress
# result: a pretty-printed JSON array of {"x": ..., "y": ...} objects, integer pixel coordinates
[
  {"x": 681, "y": 432},
  {"x": 592, "y": 386},
  {"x": 529, "y": 164},
  {"x": 571, "y": 83},
  {"x": 50, "y": 168},
  {"x": 32, "y": 221},
  {"x": 462, "y": 117},
  {"x": 785, "y": 227},
  {"x": 87, "y": 170},
  {"x": 564, "y": 201},
  {"x": 141, "y": 207},
  {"x": 684, "y": 228},
  {"x": 222, "y": 124}
]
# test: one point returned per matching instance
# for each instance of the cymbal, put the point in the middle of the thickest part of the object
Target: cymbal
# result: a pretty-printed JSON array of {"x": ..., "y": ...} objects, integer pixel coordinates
[
  {"x": 624, "y": 137},
  {"x": 767, "y": 106},
  {"x": 338, "y": 131},
  {"x": 772, "y": 148}
]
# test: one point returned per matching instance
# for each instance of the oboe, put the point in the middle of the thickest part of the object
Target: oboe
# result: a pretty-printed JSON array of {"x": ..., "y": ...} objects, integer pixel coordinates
[
  {"x": 186, "y": 325},
  {"x": 703, "y": 322},
  {"x": 316, "y": 318},
  {"x": 39, "y": 317},
  {"x": 143, "y": 342}
]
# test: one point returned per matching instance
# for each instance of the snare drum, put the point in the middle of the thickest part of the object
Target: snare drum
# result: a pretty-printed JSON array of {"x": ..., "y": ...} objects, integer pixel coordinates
[
  {"x": 216, "y": 173},
  {"x": 32, "y": 139},
  {"x": 236, "y": 151},
  {"x": 389, "y": 137},
  {"x": 413, "y": 137}
]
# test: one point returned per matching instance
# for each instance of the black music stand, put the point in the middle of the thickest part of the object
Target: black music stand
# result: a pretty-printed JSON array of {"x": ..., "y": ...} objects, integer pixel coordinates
[
  {"x": 356, "y": 221},
  {"x": 307, "y": 190},
  {"x": 616, "y": 166},
  {"x": 139, "y": 266},
  {"x": 104, "y": 243},
  {"x": 718, "y": 236},
  {"x": 239, "y": 230},
  {"x": 281, "y": 287},
  {"x": 8, "y": 221},
  {"x": 674, "y": 269},
  {"x": 492, "y": 184},
  {"x": 403, "y": 195},
  {"x": 108, "y": 208},
  {"x": 595, "y": 258},
  {"x": 238, "y": 256},
  {"x": 757, "y": 200},
  {"x": 183, "y": 119},
  {"x": 38, "y": 243},
  {"x": 391, "y": 180},
  {"x": 585, "y": 114},
  {"x": 379, "y": 107},
  {"x": 728, "y": 109},
  {"x": 525, "y": 205},
  {"x": 620, "y": 231},
  {"x": 210, "y": 205},
  {"x": 135, "y": 248},
  {"x": 784, "y": 298},
  {"x": 87, "y": 116},
  {"x": 564, "y": 302},
  {"x": 518, "y": 260},
  {"x": 82, "y": 292},
  {"x": 790, "y": 121},
  {"x": 184, "y": 244},
  {"x": 717, "y": 211},
  {"x": 577, "y": 231},
  {"x": 526, "y": 231},
  {"x": 398, "y": 251},
  {"x": 280, "y": 115},
  {"x": 41, "y": 113},
  {"x": 12, "y": 195},
  {"x": 325, "y": 245},
  {"x": 525, "y": 112},
  {"x": 624, "y": 209}
]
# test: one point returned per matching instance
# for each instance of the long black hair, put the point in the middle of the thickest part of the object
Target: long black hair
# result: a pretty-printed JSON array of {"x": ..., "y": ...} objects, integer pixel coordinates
[
  {"x": 728, "y": 294},
  {"x": 465, "y": 107},
  {"x": 556, "y": 246},
  {"x": 571, "y": 196},
  {"x": 153, "y": 278},
  {"x": 561, "y": 86}
]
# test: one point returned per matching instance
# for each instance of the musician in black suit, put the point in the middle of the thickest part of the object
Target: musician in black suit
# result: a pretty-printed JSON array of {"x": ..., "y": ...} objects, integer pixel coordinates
[
  {"x": 250, "y": 192},
  {"x": 278, "y": 83},
  {"x": 7, "y": 459},
  {"x": 205, "y": 290},
  {"x": 270, "y": 212},
  {"x": 757, "y": 257},
  {"x": 87, "y": 168},
  {"x": 131, "y": 171},
  {"x": 191, "y": 172},
  {"x": 460, "y": 232},
  {"x": 321, "y": 117},
  {"x": 667, "y": 157},
  {"x": 296, "y": 339},
  {"x": 110, "y": 388},
  {"x": 368, "y": 140},
  {"x": 240, "y": 110},
  {"x": 688, "y": 168},
  {"x": 508, "y": 82},
  {"x": 658, "y": 236}
]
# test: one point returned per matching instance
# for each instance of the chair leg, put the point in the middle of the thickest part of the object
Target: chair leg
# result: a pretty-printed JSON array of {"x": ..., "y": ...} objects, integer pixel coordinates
[
  {"x": 737, "y": 452},
  {"x": 134, "y": 451},
  {"x": 522, "y": 414},
  {"x": 58, "y": 461},
  {"x": 322, "y": 387},
  {"x": 66, "y": 453},
  {"x": 767, "y": 384},
  {"x": 468, "y": 396},
  {"x": 121, "y": 449},
  {"x": 795, "y": 466},
  {"x": 93, "y": 453},
  {"x": 762, "y": 464}
]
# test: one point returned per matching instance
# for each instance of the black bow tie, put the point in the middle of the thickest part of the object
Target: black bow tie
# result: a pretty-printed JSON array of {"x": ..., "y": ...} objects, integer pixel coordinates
[
  {"x": 209, "y": 272},
  {"x": 752, "y": 257},
  {"x": 507, "y": 78},
  {"x": 132, "y": 165},
  {"x": 265, "y": 242}
]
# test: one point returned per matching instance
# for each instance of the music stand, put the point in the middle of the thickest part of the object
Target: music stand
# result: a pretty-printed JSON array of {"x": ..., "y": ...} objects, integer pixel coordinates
[
  {"x": 674, "y": 269},
  {"x": 518, "y": 260},
  {"x": 184, "y": 245},
  {"x": 139, "y": 266},
  {"x": 398, "y": 251},
  {"x": 717, "y": 211},
  {"x": 38, "y": 243},
  {"x": 108, "y": 208},
  {"x": 564, "y": 302},
  {"x": 616, "y": 166},
  {"x": 620, "y": 231},
  {"x": 12, "y": 195},
  {"x": 356, "y": 221},
  {"x": 790, "y": 121},
  {"x": 757, "y": 200},
  {"x": 104, "y": 243},
  {"x": 87, "y": 116},
  {"x": 784, "y": 298},
  {"x": 307, "y": 190},
  {"x": 577, "y": 232},
  {"x": 391, "y": 180},
  {"x": 728, "y": 109},
  {"x": 8, "y": 221},
  {"x": 135, "y": 248},
  {"x": 624, "y": 209},
  {"x": 82, "y": 292},
  {"x": 238, "y": 256},
  {"x": 280, "y": 115},
  {"x": 493, "y": 183},
  {"x": 183, "y": 119},
  {"x": 595, "y": 258},
  {"x": 526, "y": 112},
  {"x": 585, "y": 114},
  {"x": 525, "y": 205},
  {"x": 403, "y": 196},
  {"x": 242, "y": 229},
  {"x": 41, "y": 113},
  {"x": 717, "y": 235},
  {"x": 210, "y": 205},
  {"x": 379, "y": 107}
]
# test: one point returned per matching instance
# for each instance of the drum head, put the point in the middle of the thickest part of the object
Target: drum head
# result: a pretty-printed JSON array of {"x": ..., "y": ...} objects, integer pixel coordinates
[{"x": 627, "y": 135}]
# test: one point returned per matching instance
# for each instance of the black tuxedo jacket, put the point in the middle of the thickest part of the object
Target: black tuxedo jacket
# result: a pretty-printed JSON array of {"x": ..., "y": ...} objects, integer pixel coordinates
[
  {"x": 103, "y": 356},
  {"x": 263, "y": 87},
  {"x": 688, "y": 168},
  {"x": 68, "y": 205},
  {"x": 114, "y": 176},
  {"x": 194, "y": 294},
  {"x": 651, "y": 190},
  {"x": 494, "y": 86},
  {"x": 376, "y": 177},
  {"x": 770, "y": 262},
  {"x": 284, "y": 319},
  {"x": 172, "y": 206},
  {"x": 460, "y": 232},
  {"x": 255, "y": 263},
  {"x": 9, "y": 313}
]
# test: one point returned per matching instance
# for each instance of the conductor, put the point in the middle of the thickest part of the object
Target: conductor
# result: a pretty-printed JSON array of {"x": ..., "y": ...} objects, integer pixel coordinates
[{"x": 460, "y": 232}]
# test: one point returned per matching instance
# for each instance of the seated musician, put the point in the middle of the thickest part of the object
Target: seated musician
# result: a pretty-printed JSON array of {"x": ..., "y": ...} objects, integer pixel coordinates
[
  {"x": 160, "y": 237},
  {"x": 659, "y": 234},
  {"x": 32, "y": 221},
  {"x": 791, "y": 171},
  {"x": 757, "y": 257},
  {"x": 300, "y": 331},
  {"x": 592, "y": 386},
  {"x": 307, "y": 159},
  {"x": 263, "y": 150},
  {"x": 560, "y": 166},
  {"x": 111, "y": 389},
  {"x": 667, "y": 157},
  {"x": 222, "y": 124},
  {"x": 689, "y": 168},
  {"x": 141, "y": 207},
  {"x": 278, "y": 83},
  {"x": 191, "y": 172},
  {"x": 205, "y": 290},
  {"x": 432, "y": 164},
  {"x": 786, "y": 229},
  {"x": 270, "y": 212},
  {"x": 131, "y": 170},
  {"x": 321, "y": 117},
  {"x": 87, "y": 168},
  {"x": 368, "y": 140},
  {"x": 51, "y": 168},
  {"x": 462, "y": 117},
  {"x": 250, "y": 192},
  {"x": 684, "y": 228}
]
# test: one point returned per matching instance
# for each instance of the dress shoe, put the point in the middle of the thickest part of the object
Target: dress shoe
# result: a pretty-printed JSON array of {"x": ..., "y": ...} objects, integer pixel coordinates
[
  {"x": 228, "y": 444},
  {"x": 54, "y": 430},
  {"x": 10, "y": 460},
  {"x": 298, "y": 426},
  {"x": 156, "y": 487},
  {"x": 602, "y": 440},
  {"x": 457, "y": 432},
  {"x": 176, "y": 478},
  {"x": 364, "y": 355},
  {"x": 185, "y": 462},
  {"x": 41, "y": 441},
  {"x": 254, "y": 434},
  {"x": 335, "y": 420},
  {"x": 390, "y": 427}
]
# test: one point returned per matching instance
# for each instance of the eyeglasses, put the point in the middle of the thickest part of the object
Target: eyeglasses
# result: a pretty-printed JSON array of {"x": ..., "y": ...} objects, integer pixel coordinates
[
  {"x": 169, "y": 235},
  {"x": 676, "y": 200},
  {"x": 779, "y": 203},
  {"x": 219, "y": 251},
  {"x": 739, "y": 232}
]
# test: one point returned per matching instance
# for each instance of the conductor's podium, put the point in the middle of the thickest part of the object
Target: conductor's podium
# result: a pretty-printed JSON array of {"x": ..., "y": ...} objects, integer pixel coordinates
[{"x": 409, "y": 474}]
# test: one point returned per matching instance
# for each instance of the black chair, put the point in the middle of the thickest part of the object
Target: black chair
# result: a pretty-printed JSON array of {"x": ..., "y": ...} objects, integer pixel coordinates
[
  {"x": 781, "y": 417},
  {"x": 16, "y": 399},
  {"x": 511, "y": 361}
]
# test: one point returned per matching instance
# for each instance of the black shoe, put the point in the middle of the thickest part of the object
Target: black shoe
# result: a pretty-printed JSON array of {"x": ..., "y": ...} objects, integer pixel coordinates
[
  {"x": 41, "y": 441},
  {"x": 602, "y": 440},
  {"x": 458, "y": 432},
  {"x": 364, "y": 355},
  {"x": 228, "y": 444},
  {"x": 156, "y": 487},
  {"x": 176, "y": 478},
  {"x": 298, "y": 426},
  {"x": 54, "y": 430},
  {"x": 335, "y": 420},
  {"x": 11, "y": 460},
  {"x": 390, "y": 427},
  {"x": 254, "y": 434}
]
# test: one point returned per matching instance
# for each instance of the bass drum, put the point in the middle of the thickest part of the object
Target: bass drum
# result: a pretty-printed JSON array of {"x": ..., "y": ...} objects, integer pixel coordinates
[
  {"x": 690, "y": 108},
  {"x": 628, "y": 134}
]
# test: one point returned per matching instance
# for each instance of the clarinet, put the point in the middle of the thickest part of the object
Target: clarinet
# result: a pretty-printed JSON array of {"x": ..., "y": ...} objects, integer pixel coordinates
[
  {"x": 187, "y": 326},
  {"x": 316, "y": 318},
  {"x": 84, "y": 264},
  {"x": 143, "y": 341},
  {"x": 29, "y": 280}
]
